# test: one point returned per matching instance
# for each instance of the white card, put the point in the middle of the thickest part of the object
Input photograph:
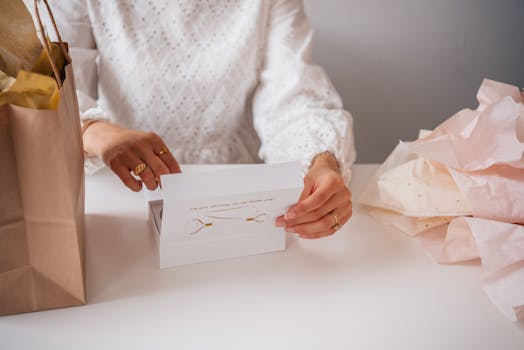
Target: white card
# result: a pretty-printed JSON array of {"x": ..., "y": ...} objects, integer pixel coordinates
[{"x": 227, "y": 203}]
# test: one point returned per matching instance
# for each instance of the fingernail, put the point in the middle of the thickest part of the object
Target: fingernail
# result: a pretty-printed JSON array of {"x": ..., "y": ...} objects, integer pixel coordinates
[
  {"x": 291, "y": 230},
  {"x": 279, "y": 222},
  {"x": 290, "y": 215}
]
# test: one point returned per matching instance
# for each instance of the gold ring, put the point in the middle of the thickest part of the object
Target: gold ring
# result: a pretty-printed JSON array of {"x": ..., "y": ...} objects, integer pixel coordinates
[
  {"x": 139, "y": 168},
  {"x": 336, "y": 220},
  {"x": 164, "y": 150}
]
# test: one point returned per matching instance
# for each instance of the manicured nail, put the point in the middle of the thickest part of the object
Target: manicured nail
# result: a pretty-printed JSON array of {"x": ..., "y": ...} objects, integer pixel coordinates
[{"x": 290, "y": 215}]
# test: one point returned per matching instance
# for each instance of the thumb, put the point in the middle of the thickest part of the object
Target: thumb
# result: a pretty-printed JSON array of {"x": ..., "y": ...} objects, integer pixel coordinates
[{"x": 306, "y": 192}]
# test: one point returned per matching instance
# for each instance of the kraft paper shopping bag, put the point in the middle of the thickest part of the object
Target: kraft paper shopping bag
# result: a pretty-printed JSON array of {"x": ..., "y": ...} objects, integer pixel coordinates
[{"x": 42, "y": 204}]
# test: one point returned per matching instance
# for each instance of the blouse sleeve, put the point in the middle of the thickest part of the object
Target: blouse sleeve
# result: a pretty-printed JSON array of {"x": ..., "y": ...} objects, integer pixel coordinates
[
  {"x": 297, "y": 112},
  {"x": 73, "y": 22}
]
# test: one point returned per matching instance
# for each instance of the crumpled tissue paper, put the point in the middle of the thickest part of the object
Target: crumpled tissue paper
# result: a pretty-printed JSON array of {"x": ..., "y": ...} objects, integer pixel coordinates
[{"x": 460, "y": 190}]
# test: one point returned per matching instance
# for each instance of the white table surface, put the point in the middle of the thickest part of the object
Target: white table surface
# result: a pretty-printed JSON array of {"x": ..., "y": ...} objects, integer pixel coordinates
[{"x": 367, "y": 287}]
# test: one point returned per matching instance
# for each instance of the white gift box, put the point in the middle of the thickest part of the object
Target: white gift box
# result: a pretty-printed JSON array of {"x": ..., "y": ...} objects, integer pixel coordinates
[{"x": 216, "y": 214}]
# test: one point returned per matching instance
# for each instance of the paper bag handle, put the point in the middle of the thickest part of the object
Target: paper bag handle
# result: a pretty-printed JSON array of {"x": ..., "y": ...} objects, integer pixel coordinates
[{"x": 47, "y": 44}]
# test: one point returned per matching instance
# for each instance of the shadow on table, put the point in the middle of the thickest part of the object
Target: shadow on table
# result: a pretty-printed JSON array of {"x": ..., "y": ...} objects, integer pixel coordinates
[
  {"x": 118, "y": 248},
  {"x": 122, "y": 262}
]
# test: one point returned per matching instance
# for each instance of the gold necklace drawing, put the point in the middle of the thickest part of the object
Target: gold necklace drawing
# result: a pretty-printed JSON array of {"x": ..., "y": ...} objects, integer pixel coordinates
[{"x": 220, "y": 217}]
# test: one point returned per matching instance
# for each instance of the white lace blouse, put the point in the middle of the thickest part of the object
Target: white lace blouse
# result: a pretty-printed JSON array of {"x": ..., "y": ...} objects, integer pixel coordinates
[{"x": 221, "y": 81}]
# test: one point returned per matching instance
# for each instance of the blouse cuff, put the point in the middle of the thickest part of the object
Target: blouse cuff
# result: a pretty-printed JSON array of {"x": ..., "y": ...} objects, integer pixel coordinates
[{"x": 92, "y": 164}]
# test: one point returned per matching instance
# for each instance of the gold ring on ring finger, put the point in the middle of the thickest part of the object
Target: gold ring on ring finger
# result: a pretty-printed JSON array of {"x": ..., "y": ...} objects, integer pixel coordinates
[{"x": 336, "y": 220}]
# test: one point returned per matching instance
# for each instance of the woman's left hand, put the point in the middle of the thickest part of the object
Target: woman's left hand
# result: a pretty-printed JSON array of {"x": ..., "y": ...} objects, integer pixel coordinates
[{"x": 324, "y": 201}]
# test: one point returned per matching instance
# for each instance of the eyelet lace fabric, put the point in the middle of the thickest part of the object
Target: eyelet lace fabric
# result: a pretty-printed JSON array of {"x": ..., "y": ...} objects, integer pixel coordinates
[{"x": 223, "y": 81}]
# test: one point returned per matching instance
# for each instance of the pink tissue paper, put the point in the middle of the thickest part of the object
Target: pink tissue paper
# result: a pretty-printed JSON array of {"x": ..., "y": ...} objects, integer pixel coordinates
[{"x": 460, "y": 190}]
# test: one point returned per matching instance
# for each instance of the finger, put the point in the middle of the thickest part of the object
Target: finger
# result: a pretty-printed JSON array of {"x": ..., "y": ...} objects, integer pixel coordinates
[
  {"x": 168, "y": 159},
  {"x": 308, "y": 189},
  {"x": 323, "y": 224},
  {"x": 171, "y": 162},
  {"x": 320, "y": 196},
  {"x": 280, "y": 221},
  {"x": 319, "y": 235},
  {"x": 122, "y": 171},
  {"x": 154, "y": 162},
  {"x": 147, "y": 176},
  {"x": 306, "y": 192},
  {"x": 328, "y": 232},
  {"x": 327, "y": 187},
  {"x": 340, "y": 199}
]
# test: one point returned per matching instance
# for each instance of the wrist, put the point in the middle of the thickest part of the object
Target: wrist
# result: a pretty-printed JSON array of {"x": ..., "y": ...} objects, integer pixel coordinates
[
  {"x": 93, "y": 135},
  {"x": 325, "y": 160}
]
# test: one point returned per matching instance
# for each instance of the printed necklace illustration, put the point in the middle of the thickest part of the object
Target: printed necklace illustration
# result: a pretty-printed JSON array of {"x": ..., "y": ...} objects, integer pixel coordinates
[{"x": 220, "y": 217}]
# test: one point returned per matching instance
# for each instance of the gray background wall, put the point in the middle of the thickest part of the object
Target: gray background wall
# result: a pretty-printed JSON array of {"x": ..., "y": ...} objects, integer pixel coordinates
[{"x": 404, "y": 65}]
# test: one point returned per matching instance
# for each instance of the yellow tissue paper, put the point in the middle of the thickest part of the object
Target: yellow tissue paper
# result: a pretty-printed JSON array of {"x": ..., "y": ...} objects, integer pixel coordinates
[
  {"x": 43, "y": 66},
  {"x": 32, "y": 90}
]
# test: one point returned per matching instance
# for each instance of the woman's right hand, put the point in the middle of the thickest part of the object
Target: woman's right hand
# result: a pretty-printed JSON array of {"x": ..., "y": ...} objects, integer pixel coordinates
[{"x": 123, "y": 149}]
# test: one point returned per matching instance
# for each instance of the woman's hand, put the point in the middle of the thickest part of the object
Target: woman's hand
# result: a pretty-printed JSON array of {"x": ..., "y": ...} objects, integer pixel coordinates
[
  {"x": 124, "y": 149},
  {"x": 324, "y": 201}
]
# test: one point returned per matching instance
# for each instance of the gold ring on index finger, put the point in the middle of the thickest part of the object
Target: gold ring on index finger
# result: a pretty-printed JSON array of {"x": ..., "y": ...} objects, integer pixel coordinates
[
  {"x": 139, "y": 169},
  {"x": 336, "y": 220},
  {"x": 162, "y": 151}
]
